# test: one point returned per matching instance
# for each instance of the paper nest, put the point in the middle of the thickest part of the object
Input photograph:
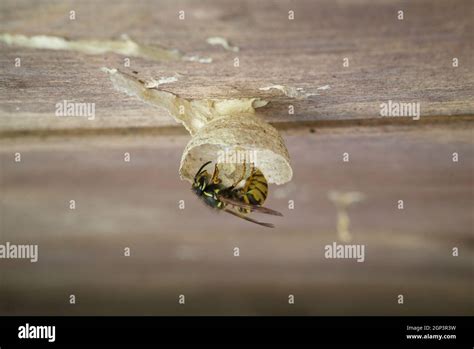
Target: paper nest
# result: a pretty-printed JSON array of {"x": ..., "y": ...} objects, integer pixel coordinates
[{"x": 217, "y": 126}]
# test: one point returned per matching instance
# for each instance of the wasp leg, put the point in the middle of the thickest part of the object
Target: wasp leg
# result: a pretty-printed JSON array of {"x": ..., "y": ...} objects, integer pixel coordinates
[
  {"x": 215, "y": 176},
  {"x": 252, "y": 171},
  {"x": 241, "y": 177}
]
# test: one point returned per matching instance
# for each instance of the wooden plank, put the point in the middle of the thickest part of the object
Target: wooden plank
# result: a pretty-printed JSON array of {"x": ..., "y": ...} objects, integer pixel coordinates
[
  {"x": 190, "y": 251},
  {"x": 389, "y": 59}
]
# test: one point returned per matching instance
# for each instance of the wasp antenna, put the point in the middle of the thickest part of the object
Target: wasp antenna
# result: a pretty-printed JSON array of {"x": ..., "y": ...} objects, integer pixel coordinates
[{"x": 202, "y": 167}]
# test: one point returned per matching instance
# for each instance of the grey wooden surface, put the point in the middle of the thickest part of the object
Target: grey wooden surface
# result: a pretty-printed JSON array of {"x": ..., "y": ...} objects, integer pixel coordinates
[
  {"x": 189, "y": 251},
  {"x": 389, "y": 59}
]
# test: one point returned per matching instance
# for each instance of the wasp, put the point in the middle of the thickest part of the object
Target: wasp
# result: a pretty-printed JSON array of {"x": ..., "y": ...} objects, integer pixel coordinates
[{"x": 243, "y": 199}]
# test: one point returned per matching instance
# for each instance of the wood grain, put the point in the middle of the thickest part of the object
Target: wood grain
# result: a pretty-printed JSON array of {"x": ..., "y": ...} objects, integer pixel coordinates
[
  {"x": 190, "y": 251},
  {"x": 389, "y": 59}
]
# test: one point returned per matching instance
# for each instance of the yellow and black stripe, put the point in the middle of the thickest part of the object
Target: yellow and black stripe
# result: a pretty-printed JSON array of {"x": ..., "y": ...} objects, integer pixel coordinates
[{"x": 255, "y": 189}]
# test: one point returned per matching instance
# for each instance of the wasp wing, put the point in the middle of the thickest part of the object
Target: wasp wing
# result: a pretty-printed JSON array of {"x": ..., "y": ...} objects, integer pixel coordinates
[
  {"x": 254, "y": 208},
  {"x": 268, "y": 225}
]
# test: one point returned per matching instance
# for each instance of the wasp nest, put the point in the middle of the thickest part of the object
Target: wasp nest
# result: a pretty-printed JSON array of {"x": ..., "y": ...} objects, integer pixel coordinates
[{"x": 225, "y": 131}]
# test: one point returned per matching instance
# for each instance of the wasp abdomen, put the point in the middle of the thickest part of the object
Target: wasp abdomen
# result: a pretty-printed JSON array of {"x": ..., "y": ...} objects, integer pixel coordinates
[{"x": 255, "y": 190}]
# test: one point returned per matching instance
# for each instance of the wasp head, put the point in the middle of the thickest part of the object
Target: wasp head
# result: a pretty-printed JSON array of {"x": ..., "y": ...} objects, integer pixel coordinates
[{"x": 201, "y": 179}]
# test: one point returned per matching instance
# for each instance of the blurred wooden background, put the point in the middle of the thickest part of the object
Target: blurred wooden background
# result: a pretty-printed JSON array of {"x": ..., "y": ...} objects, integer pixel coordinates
[{"x": 190, "y": 251}]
